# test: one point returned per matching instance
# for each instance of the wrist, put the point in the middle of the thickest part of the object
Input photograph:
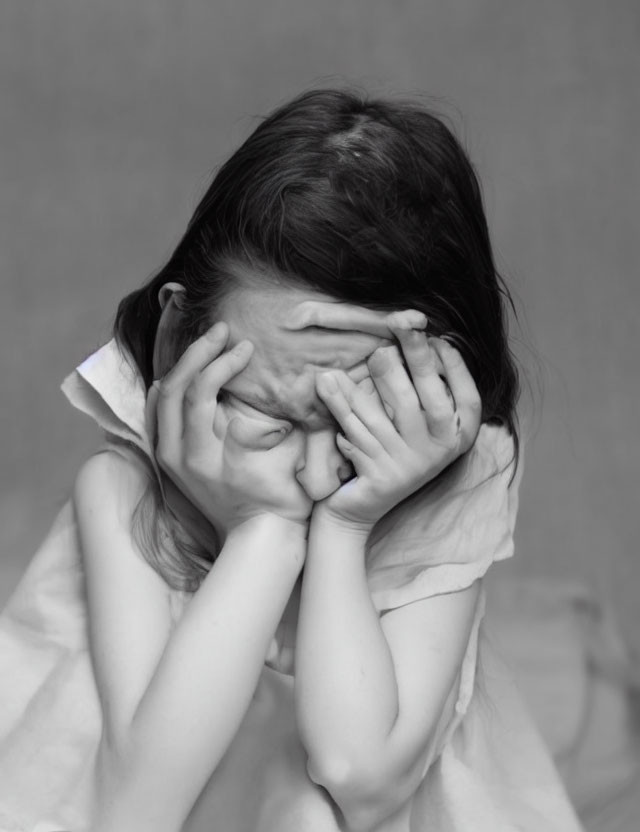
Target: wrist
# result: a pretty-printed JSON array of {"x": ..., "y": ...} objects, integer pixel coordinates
[
  {"x": 270, "y": 532},
  {"x": 327, "y": 522}
]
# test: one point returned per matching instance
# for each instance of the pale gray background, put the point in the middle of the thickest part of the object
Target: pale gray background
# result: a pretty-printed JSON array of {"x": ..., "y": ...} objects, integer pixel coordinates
[{"x": 114, "y": 113}]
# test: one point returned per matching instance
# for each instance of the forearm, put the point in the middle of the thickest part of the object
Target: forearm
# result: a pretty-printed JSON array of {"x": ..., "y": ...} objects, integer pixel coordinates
[
  {"x": 203, "y": 684},
  {"x": 346, "y": 691}
]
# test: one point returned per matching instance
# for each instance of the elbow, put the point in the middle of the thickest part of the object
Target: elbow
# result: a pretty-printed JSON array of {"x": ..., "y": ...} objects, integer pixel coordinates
[
  {"x": 121, "y": 795},
  {"x": 366, "y": 794},
  {"x": 116, "y": 746},
  {"x": 113, "y": 767},
  {"x": 118, "y": 767}
]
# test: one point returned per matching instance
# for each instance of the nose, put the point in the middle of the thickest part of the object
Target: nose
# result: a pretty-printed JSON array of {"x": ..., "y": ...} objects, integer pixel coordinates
[{"x": 322, "y": 467}]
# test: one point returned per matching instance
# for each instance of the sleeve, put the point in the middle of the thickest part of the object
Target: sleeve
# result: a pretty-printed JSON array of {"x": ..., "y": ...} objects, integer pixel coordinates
[{"x": 448, "y": 534}]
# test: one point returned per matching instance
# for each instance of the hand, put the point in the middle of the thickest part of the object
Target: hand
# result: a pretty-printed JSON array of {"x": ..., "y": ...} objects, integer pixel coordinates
[
  {"x": 207, "y": 451},
  {"x": 401, "y": 427}
]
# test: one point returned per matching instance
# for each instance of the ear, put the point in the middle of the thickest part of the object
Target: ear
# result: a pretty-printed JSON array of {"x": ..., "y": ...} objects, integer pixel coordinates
[
  {"x": 170, "y": 298},
  {"x": 171, "y": 292}
]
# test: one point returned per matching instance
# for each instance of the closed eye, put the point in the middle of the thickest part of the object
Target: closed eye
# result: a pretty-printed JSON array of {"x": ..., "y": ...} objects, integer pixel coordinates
[
  {"x": 280, "y": 432},
  {"x": 273, "y": 427},
  {"x": 283, "y": 430}
]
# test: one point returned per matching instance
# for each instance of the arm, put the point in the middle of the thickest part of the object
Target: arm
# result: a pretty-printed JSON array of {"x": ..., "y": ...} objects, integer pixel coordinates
[
  {"x": 172, "y": 703},
  {"x": 371, "y": 694}
]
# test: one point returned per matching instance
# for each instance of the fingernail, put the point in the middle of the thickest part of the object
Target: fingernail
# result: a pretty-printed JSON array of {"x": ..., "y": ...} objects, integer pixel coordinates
[
  {"x": 243, "y": 348},
  {"x": 328, "y": 382},
  {"x": 217, "y": 330}
]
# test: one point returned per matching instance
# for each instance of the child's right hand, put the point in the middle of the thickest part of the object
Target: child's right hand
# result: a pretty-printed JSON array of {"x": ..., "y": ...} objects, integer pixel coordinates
[{"x": 203, "y": 448}]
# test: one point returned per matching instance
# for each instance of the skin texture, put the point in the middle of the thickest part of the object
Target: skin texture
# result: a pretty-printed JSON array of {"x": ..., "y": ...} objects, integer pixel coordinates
[
  {"x": 277, "y": 389},
  {"x": 370, "y": 692}
]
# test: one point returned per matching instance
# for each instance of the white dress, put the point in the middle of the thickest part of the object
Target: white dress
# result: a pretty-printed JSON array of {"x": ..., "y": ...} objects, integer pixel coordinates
[{"x": 492, "y": 772}]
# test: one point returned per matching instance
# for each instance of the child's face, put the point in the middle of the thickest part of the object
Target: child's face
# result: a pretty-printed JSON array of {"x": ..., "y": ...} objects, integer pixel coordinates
[{"x": 276, "y": 391}]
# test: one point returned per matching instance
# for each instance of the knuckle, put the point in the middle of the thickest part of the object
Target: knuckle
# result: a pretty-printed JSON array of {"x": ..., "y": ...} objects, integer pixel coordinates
[
  {"x": 440, "y": 411},
  {"x": 451, "y": 354},
  {"x": 306, "y": 314},
  {"x": 215, "y": 333},
  {"x": 165, "y": 388},
  {"x": 350, "y": 421},
  {"x": 312, "y": 316},
  {"x": 192, "y": 394},
  {"x": 450, "y": 444},
  {"x": 397, "y": 319},
  {"x": 377, "y": 423},
  {"x": 423, "y": 364},
  {"x": 446, "y": 349},
  {"x": 383, "y": 360},
  {"x": 475, "y": 406},
  {"x": 367, "y": 386}
]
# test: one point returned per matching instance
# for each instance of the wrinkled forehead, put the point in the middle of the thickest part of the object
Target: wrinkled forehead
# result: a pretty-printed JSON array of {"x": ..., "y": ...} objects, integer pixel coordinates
[{"x": 296, "y": 335}]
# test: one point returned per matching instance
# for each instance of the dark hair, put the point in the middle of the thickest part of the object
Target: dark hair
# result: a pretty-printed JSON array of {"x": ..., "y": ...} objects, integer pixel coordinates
[{"x": 369, "y": 200}]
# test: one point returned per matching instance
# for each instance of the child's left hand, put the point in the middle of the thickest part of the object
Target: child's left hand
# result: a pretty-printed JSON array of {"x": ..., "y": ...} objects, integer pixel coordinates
[{"x": 401, "y": 427}]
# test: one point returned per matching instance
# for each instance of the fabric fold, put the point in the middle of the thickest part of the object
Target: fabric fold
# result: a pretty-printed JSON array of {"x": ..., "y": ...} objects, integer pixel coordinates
[
  {"x": 445, "y": 537},
  {"x": 439, "y": 541},
  {"x": 107, "y": 387}
]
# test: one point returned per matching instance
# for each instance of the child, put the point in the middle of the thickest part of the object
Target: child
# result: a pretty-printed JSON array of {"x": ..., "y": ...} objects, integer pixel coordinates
[{"x": 261, "y": 611}]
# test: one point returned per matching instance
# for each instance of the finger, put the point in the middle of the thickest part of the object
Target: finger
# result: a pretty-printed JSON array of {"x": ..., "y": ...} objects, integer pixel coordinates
[
  {"x": 201, "y": 396},
  {"x": 346, "y": 316},
  {"x": 170, "y": 389},
  {"x": 407, "y": 319},
  {"x": 358, "y": 372},
  {"x": 359, "y": 460},
  {"x": 365, "y": 402},
  {"x": 397, "y": 392},
  {"x": 196, "y": 357},
  {"x": 463, "y": 388},
  {"x": 329, "y": 341},
  {"x": 414, "y": 344},
  {"x": 428, "y": 377},
  {"x": 337, "y": 315},
  {"x": 354, "y": 430}
]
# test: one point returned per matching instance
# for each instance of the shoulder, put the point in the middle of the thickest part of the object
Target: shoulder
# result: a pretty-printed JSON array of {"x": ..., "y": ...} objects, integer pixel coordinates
[
  {"x": 107, "y": 490},
  {"x": 110, "y": 480}
]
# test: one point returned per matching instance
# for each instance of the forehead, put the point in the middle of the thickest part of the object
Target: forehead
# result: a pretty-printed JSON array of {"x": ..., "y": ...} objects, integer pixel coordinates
[{"x": 285, "y": 362}]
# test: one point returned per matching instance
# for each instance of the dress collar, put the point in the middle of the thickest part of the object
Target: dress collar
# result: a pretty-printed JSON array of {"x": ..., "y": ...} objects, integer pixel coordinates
[
  {"x": 478, "y": 491},
  {"x": 108, "y": 388}
]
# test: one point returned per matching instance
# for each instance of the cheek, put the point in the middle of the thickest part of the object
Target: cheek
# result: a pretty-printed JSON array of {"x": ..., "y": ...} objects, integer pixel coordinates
[{"x": 283, "y": 457}]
